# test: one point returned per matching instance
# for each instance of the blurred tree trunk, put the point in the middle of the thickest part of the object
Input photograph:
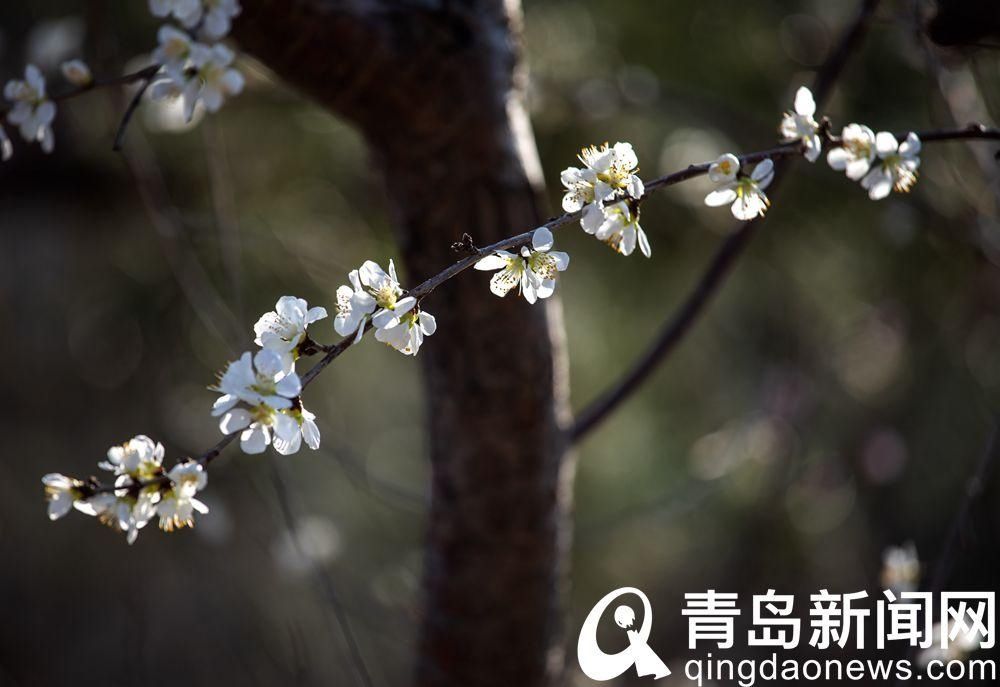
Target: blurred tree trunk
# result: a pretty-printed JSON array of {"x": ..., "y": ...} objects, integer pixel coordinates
[{"x": 434, "y": 87}]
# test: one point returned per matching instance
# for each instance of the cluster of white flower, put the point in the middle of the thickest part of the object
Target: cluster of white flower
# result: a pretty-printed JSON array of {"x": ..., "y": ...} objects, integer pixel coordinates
[
  {"x": 895, "y": 168},
  {"x": 260, "y": 393},
  {"x": 142, "y": 490},
  {"x": 214, "y": 17},
  {"x": 534, "y": 270},
  {"x": 605, "y": 189},
  {"x": 880, "y": 162},
  {"x": 375, "y": 296},
  {"x": 31, "y": 109},
  {"x": 260, "y": 397},
  {"x": 744, "y": 194},
  {"x": 195, "y": 67}
]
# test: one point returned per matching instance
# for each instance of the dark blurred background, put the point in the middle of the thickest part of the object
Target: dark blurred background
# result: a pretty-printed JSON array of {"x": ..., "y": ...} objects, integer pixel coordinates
[{"x": 833, "y": 402}]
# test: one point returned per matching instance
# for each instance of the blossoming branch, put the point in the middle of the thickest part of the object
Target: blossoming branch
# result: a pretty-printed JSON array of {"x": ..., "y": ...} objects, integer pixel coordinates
[{"x": 260, "y": 398}]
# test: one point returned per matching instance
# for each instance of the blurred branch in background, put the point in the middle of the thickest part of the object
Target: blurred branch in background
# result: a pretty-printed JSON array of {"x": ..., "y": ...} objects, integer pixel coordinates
[
  {"x": 678, "y": 324},
  {"x": 226, "y": 210},
  {"x": 322, "y": 577},
  {"x": 190, "y": 275}
]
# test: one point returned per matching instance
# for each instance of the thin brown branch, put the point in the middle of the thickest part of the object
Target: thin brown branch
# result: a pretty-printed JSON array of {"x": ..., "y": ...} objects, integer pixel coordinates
[
  {"x": 144, "y": 74},
  {"x": 133, "y": 105},
  {"x": 675, "y": 328}
]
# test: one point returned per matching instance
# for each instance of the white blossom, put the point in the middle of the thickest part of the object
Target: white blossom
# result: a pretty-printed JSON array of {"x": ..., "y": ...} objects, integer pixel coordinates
[
  {"x": 206, "y": 77},
  {"x": 174, "y": 49},
  {"x": 855, "y": 153},
  {"x": 897, "y": 168},
  {"x": 177, "y": 505},
  {"x": 618, "y": 226},
  {"x": 354, "y": 305},
  {"x": 77, "y": 73},
  {"x": 745, "y": 193},
  {"x": 214, "y": 16},
  {"x": 217, "y": 17},
  {"x": 265, "y": 388},
  {"x": 406, "y": 333},
  {"x": 126, "y": 511},
  {"x": 218, "y": 80},
  {"x": 607, "y": 173},
  {"x": 307, "y": 430},
  {"x": 183, "y": 10},
  {"x": 62, "y": 493},
  {"x": 724, "y": 169},
  {"x": 6, "y": 147},
  {"x": 285, "y": 328},
  {"x": 801, "y": 124},
  {"x": 534, "y": 270},
  {"x": 373, "y": 292},
  {"x": 900, "y": 568},
  {"x": 139, "y": 458},
  {"x": 32, "y": 111}
]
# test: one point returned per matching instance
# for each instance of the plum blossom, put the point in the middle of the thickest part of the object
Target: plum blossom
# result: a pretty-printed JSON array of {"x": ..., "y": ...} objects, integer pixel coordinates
[
  {"x": 125, "y": 512},
  {"x": 6, "y": 147},
  {"x": 900, "y": 568},
  {"x": 32, "y": 111},
  {"x": 354, "y": 305},
  {"x": 62, "y": 493},
  {"x": 406, "y": 333},
  {"x": 183, "y": 10},
  {"x": 607, "y": 173},
  {"x": 618, "y": 226},
  {"x": 897, "y": 168},
  {"x": 801, "y": 125},
  {"x": 534, "y": 270},
  {"x": 218, "y": 79},
  {"x": 77, "y": 73},
  {"x": 746, "y": 193},
  {"x": 206, "y": 77},
  {"x": 139, "y": 458},
  {"x": 218, "y": 16},
  {"x": 284, "y": 329},
  {"x": 174, "y": 49},
  {"x": 855, "y": 153},
  {"x": 177, "y": 504},
  {"x": 724, "y": 169},
  {"x": 373, "y": 293},
  {"x": 307, "y": 430},
  {"x": 265, "y": 388},
  {"x": 214, "y": 16}
]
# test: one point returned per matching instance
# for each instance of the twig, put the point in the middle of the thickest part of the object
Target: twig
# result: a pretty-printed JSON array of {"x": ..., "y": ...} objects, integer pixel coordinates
[
  {"x": 144, "y": 74},
  {"x": 717, "y": 270},
  {"x": 833, "y": 66},
  {"x": 127, "y": 117}
]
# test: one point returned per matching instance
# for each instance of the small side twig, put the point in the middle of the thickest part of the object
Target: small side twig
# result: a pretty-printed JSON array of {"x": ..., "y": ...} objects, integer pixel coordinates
[{"x": 129, "y": 112}]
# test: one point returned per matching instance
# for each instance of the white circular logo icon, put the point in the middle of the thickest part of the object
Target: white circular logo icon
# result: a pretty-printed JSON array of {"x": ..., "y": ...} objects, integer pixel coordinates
[{"x": 600, "y": 666}]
